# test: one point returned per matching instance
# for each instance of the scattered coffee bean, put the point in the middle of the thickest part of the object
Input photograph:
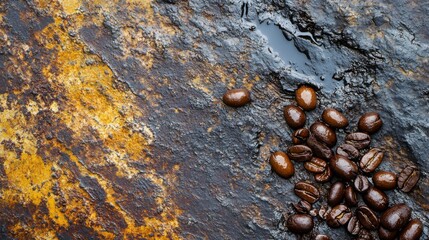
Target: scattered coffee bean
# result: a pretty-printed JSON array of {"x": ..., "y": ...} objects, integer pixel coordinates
[
  {"x": 294, "y": 116},
  {"x": 385, "y": 234},
  {"x": 412, "y": 231},
  {"x": 370, "y": 122},
  {"x": 302, "y": 206},
  {"x": 364, "y": 235},
  {"x": 408, "y": 178},
  {"x": 395, "y": 217},
  {"x": 300, "y": 136},
  {"x": 324, "y": 133},
  {"x": 371, "y": 160},
  {"x": 336, "y": 194},
  {"x": 376, "y": 199},
  {"x": 354, "y": 226},
  {"x": 236, "y": 97},
  {"x": 344, "y": 168},
  {"x": 348, "y": 151},
  {"x": 306, "y": 98},
  {"x": 338, "y": 216},
  {"x": 367, "y": 218},
  {"x": 361, "y": 183},
  {"x": 334, "y": 118},
  {"x": 300, "y": 153},
  {"x": 358, "y": 140},
  {"x": 350, "y": 197},
  {"x": 324, "y": 211},
  {"x": 315, "y": 165},
  {"x": 300, "y": 223},
  {"x": 319, "y": 149},
  {"x": 307, "y": 191},
  {"x": 324, "y": 176},
  {"x": 384, "y": 180},
  {"x": 282, "y": 165},
  {"x": 321, "y": 237}
]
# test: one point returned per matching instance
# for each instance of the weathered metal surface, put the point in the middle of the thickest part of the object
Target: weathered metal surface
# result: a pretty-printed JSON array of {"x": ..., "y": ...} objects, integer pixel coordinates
[{"x": 112, "y": 127}]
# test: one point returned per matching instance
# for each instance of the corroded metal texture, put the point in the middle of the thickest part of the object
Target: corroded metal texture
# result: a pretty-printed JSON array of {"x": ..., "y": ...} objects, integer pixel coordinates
[{"x": 112, "y": 127}]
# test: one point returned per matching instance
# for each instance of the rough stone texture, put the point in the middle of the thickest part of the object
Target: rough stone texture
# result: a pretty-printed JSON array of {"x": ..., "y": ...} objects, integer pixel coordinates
[{"x": 112, "y": 125}]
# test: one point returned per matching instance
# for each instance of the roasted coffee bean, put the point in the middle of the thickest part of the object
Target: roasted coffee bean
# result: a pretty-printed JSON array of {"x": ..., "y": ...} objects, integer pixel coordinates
[
  {"x": 306, "y": 98},
  {"x": 306, "y": 191},
  {"x": 343, "y": 167},
  {"x": 358, "y": 140},
  {"x": 324, "y": 211},
  {"x": 361, "y": 183},
  {"x": 282, "y": 165},
  {"x": 324, "y": 133},
  {"x": 315, "y": 165},
  {"x": 321, "y": 237},
  {"x": 367, "y": 218},
  {"x": 348, "y": 151},
  {"x": 350, "y": 197},
  {"x": 300, "y": 223},
  {"x": 302, "y": 206},
  {"x": 300, "y": 136},
  {"x": 319, "y": 149},
  {"x": 336, "y": 194},
  {"x": 300, "y": 153},
  {"x": 334, "y": 118},
  {"x": 385, "y": 234},
  {"x": 338, "y": 216},
  {"x": 408, "y": 178},
  {"x": 370, "y": 122},
  {"x": 384, "y": 180},
  {"x": 294, "y": 116},
  {"x": 354, "y": 226},
  {"x": 371, "y": 160},
  {"x": 364, "y": 235},
  {"x": 376, "y": 199},
  {"x": 412, "y": 231},
  {"x": 395, "y": 217},
  {"x": 324, "y": 176},
  {"x": 236, "y": 97}
]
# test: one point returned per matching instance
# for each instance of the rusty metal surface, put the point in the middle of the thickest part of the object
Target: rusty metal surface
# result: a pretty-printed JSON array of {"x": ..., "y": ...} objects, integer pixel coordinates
[{"x": 112, "y": 127}]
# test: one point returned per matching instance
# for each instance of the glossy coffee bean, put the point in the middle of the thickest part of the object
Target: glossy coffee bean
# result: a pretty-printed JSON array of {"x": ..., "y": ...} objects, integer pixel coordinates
[
  {"x": 386, "y": 234},
  {"x": 384, "y": 180},
  {"x": 371, "y": 160},
  {"x": 370, "y": 122},
  {"x": 281, "y": 164},
  {"x": 324, "y": 133},
  {"x": 336, "y": 194},
  {"x": 300, "y": 153},
  {"x": 338, "y": 216},
  {"x": 354, "y": 226},
  {"x": 321, "y": 237},
  {"x": 236, "y": 97},
  {"x": 408, "y": 178},
  {"x": 395, "y": 217},
  {"x": 376, "y": 199},
  {"x": 324, "y": 211},
  {"x": 350, "y": 197},
  {"x": 300, "y": 136},
  {"x": 306, "y": 98},
  {"x": 358, "y": 139},
  {"x": 334, "y": 118},
  {"x": 302, "y": 206},
  {"x": 319, "y": 149},
  {"x": 364, "y": 235},
  {"x": 348, "y": 151},
  {"x": 412, "y": 231},
  {"x": 367, "y": 218},
  {"x": 315, "y": 165},
  {"x": 307, "y": 192},
  {"x": 343, "y": 167},
  {"x": 323, "y": 177},
  {"x": 361, "y": 183},
  {"x": 294, "y": 116},
  {"x": 300, "y": 223}
]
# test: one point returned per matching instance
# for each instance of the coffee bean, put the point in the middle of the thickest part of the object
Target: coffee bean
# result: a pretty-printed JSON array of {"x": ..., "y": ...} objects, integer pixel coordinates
[
  {"x": 300, "y": 223},
  {"x": 412, "y": 231},
  {"x": 395, "y": 217},
  {"x": 315, "y": 165},
  {"x": 354, "y": 226},
  {"x": 334, "y": 118},
  {"x": 324, "y": 133},
  {"x": 376, "y": 199},
  {"x": 302, "y": 206},
  {"x": 306, "y": 98},
  {"x": 282, "y": 165},
  {"x": 236, "y": 97},
  {"x": 348, "y": 151},
  {"x": 350, "y": 197},
  {"x": 343, "y": 167},
  {"x": 370, "y": 122},
  {"x": 319, "y": 149},
  {"x": 384, "y": 180},
  {"x": 324, "y": 211},
  {"x": 338, "y": 216},
  {"x": 371, "y": 160},
  {"x": 294, "y": 116},
  {"x": 364, "y": 235},
  {"x": 408, "y": 178},
  {"x": 361, "y": 183},
  {"x": 336, "y": 194},
  {"x": 300, "y": 136},
  {"x": 306, "y": 191},
  {"x": 321, "y": 237},
  {"x": 358, "y": 140},
  {"x": 367, "y": 218},
  {"x": 324, "y": 176},
  {"x": 300, "y": 153},
  {"x": 385, "y": 234}
]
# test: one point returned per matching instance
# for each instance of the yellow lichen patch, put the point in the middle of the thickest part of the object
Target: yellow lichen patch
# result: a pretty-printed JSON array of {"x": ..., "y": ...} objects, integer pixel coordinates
[{"x": 70, "y": 6}]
